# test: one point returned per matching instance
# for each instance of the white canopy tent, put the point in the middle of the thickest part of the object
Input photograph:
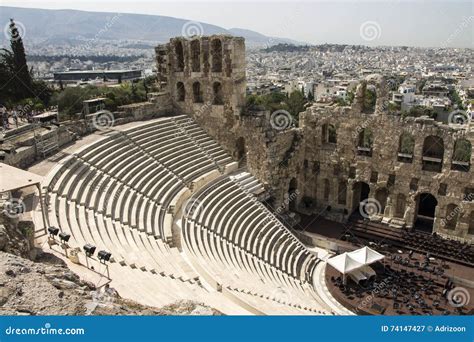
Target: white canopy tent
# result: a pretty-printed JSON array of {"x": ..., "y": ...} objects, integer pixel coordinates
[
  {"x": 355, "y": 261},
  {"x": 366, "y": 255},
  {"x": 344, "y": 263}
]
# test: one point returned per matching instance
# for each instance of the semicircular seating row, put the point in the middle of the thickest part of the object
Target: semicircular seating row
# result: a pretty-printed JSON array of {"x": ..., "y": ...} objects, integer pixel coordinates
[
  {"x": 240, "y": 243},
  {"x": 116, "y": 194}
]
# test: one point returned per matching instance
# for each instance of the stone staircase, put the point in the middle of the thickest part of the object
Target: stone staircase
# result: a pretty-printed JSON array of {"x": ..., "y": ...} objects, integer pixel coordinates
[{"x": 46, "y": 144}]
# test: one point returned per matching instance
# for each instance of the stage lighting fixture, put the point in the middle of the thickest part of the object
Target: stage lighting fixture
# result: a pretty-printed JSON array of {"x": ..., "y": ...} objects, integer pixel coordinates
[
  {"x": 64, "y": 237},
  {"x": 89, "y": 249},
  {"x": 104, "y": 256},
  {"x": 53, "y": 231}
]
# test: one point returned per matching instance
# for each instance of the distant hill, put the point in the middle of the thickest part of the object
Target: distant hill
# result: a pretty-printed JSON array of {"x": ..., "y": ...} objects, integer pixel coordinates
[
  {"x": 59, "y": 26},
  {"x": 287, "y": 48}
]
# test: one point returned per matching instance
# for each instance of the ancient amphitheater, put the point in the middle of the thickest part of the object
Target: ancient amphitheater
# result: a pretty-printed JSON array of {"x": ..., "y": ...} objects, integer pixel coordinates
[
  {"x": 183, "y": 190},
  {"x": 129, "y": 193}
]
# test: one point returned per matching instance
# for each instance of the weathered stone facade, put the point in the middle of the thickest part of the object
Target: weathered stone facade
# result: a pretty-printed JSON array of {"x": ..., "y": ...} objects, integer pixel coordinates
[{"x": 337, "y": 156}]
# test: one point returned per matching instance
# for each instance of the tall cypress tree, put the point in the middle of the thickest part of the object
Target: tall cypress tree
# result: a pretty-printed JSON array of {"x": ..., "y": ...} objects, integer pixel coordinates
[{"x": 23, "y": 80}]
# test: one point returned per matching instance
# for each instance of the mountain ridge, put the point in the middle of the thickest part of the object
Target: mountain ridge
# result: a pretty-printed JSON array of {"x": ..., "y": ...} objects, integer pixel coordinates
[{"x": 66, "y": 24}]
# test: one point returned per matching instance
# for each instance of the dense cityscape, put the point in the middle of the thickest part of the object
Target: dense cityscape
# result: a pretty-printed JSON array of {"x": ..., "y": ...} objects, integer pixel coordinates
[{"x": 439, "y": 79}]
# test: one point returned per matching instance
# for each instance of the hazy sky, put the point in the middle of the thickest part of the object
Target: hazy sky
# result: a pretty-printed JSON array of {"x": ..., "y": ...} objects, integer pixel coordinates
[{"x": 369, "y": 22}]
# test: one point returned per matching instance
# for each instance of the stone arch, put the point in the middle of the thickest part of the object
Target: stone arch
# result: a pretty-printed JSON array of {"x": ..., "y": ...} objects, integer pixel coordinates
[
  {"x": 370, "y": 99},
  {"x": 360, "y": 192},
  {"x": 197, "y": 93},
  {"x": 471, "y": 224},
  {"x": 365, "y": 142},
  {"x": 241, "y": 151},
  {"x": 216, "y": 55},
  {"x": 400, "y": 205},
  {"x": 329, "y": 134},
  {"x": 292, "y": 194},
  {"x": 433, "y": 153},
  {"x": 342, "y": 192},
  {"x": 461, "y": 160},
  {"x": 179, "y": 56},
  {"x": 452, "y": 215},
  {"x": 195, "y": 55},
  {"x": 217, "y": 94},
  {"x": 326, "y": 189},
  {"x": 406, "y": 147},
  {"x": 381, "y": 196},
  {"x": 180, "y": 91},
  {"x": 425, "y": 212}
]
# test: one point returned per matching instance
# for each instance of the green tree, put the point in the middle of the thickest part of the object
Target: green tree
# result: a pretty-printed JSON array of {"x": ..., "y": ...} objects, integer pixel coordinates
[
  {"x": 16, "y": 82},
  {"x": 369, "y": 100},
  {"x": 462, "y": 150},
  {"x": 417, "y": 111},
  {"x": 22, "y": 77},
  {"x": 70, "y": 100},
  {"x": 455, "y": 99},
  {"x": 296, "y": 103},
  {"x": 407, "y": 143},
  {"x": 350, "y": 97}
]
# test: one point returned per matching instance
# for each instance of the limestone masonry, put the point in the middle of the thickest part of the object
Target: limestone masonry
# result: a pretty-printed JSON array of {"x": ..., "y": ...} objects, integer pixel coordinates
[{"x": 413, "y": 169}]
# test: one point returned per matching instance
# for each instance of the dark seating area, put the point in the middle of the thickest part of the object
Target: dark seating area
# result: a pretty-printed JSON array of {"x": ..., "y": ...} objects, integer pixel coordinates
[
  {"x": 437, "y": 246},
  {"x": 406, "y": 283}
]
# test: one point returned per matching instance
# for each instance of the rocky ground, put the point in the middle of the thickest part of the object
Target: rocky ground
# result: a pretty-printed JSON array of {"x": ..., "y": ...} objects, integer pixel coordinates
[{"x": 46, "y": 286}]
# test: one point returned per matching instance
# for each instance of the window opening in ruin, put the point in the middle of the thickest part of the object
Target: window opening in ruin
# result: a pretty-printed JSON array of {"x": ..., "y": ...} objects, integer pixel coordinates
[{"x": 426, "y": 208}]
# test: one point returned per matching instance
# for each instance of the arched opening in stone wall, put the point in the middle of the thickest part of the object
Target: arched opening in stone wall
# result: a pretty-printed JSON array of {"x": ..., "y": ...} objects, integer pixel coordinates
[
  {"x": 451, "y": 217},
  {"x": 326, "y": 189},
  {"x": 370, "y": 99},
  {"x": 329, "y": 134},
  {"x": 470, "y": 230},
  {"x": 342, "y": 192},
  {"x": 179, "y": 54},
  {"x": 217, "y": 92},
  {"x": 462, "y": 155},
  {"x": 332, "y": 134},
  {"x": 426, "y": 207},
  {"x": 180, "y": 92},
  {"x": 197, "y": 93},
  {"x": 381, "y": 196},
  {"x": 365, "y": 142},
  {"x": 433, "y": 152},
  {"x": 406, "y": 147},
  {"x": 241, "y": 151},
  {"x": 360, "y": 192},
  {"x": 216, "y": 55},
  {"x": 400, "y": 206},
  {"x": 195, "y": 55},
  {"x": 292, "y": 194}
]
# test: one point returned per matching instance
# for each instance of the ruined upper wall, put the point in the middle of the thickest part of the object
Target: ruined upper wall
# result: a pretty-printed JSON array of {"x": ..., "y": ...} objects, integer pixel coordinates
[
  {"x": 331, "y": 153},
  {"x": 203, "y": 74}
]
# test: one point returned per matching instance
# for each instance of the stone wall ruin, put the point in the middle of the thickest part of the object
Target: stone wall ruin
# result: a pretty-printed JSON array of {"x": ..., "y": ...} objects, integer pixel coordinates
[{"x": 337, "y": 156}]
